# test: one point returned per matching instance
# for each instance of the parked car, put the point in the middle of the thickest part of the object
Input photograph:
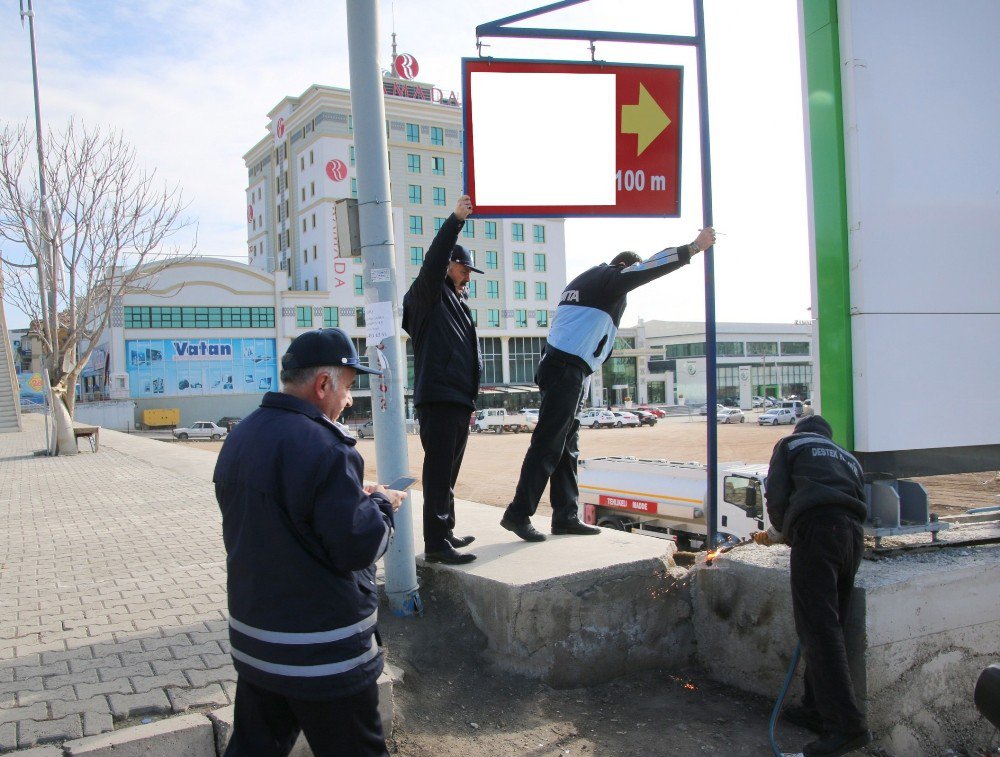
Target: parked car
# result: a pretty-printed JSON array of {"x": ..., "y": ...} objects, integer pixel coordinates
[
  {"x": 227, "y": 422},
  {"x": 596, "y": 418},
  {"x": 776, "y": 416},
  {"x": 366, "y": 430},
  {"x": 658, "y": 412},
  {"x": 730, "y": 415},
  {"x": 645, "y": 418},
  {"x": 757, "y": 402},
  {"x": 531, "y": 416},
  {"x": 623, "y": 418},
  {"x": 200, "y": 430}
]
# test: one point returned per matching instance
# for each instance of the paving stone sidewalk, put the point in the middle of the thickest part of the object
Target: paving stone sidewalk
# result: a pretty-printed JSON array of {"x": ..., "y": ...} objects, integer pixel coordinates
[{"x": 112, "y": 586}]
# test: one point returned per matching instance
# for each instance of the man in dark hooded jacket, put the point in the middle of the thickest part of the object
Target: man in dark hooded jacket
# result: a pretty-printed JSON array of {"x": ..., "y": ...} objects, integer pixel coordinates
[
  {"x": 447, "y": 366},
  {"x": 816, "y": 503}
]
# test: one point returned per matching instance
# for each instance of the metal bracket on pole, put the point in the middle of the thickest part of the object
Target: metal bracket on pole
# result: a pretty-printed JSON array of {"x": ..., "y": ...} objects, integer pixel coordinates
[{"x": 501, "y": 28}]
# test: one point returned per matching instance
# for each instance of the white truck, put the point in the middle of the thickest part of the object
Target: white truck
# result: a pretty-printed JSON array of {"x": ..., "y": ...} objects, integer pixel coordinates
[
  {"x": 499, "y": 420},
  {"x": 668, "y": 499}
]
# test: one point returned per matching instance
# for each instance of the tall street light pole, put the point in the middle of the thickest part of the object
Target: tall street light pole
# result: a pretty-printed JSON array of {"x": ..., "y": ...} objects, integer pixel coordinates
[{"x": 47, "y": 256}]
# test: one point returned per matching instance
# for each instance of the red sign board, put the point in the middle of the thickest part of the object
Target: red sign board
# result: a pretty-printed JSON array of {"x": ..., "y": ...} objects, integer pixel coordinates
[
  {"x": 646, "y": 140},
  {"x": 406, "y": 66},
  {"x": 625, "y": 503},
  {"x": 336, "y": 170}
]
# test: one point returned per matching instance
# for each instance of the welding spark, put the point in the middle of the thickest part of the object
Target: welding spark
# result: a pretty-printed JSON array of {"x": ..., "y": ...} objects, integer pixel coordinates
[{"x": 689, "y": 686}]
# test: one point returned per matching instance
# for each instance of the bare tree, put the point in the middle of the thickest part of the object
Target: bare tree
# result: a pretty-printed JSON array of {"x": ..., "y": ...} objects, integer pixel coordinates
[{"x": 100, "y": 231}]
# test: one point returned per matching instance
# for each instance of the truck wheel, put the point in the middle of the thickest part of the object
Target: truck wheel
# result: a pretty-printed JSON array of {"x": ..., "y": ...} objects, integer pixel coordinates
[
  {"x": 182, "y": 437},
  {"x": 743, "y": 419},
  {"x": 498, "y": 429},
  {"x": 615, "y": 524}
]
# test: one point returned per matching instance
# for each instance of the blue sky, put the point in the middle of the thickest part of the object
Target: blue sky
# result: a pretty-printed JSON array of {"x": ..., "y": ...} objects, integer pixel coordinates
[{"x": 190, "y": 85}]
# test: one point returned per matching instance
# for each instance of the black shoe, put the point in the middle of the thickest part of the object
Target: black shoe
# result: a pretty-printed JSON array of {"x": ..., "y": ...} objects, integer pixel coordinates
[
  {"x": 837, "y": 744},
  {"x": 576, "y": 528},
  {"x": 804, "y": 717},
  {"x": 459, "y": 541},
  {"x": 449, "y": 556},
  {"x": 525, "y": 530}
]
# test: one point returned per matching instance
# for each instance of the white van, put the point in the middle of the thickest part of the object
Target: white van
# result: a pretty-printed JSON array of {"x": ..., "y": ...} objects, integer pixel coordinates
[{"x": 795, "y": 406}]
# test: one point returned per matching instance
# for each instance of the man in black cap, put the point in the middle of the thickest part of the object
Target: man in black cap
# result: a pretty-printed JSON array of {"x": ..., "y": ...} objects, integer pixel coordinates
[
  {"x": 580, "y": 340},
  {"x": 302, "y": 534},
  {"x": 447, "y": 366},
  {"x": 816, "y": 503}
]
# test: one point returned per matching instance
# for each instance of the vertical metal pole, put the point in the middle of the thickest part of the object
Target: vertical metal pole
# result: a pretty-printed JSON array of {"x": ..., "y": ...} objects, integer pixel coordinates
[
  {"x": 706, "y": 210},
  {"x": 47, "y": 253},
  {"x": 375, "y": 216}
]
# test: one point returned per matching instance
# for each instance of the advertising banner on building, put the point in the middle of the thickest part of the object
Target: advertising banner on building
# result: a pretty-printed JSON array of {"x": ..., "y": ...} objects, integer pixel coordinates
[{"x": 184, "y": 367}]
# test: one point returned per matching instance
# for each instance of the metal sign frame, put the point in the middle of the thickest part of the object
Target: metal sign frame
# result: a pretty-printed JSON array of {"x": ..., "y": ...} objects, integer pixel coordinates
[{"x": 501, "y": 28}]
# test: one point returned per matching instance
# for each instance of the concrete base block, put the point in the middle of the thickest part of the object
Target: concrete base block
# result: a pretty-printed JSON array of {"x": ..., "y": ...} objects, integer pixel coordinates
[
  {"x": 41, "y": 751},
  {"x": 222, "y": 719},
  {"x": 190, "y": 735},
  {"x": 573, "y": 610},
  {"x": 923, "y": 627}
]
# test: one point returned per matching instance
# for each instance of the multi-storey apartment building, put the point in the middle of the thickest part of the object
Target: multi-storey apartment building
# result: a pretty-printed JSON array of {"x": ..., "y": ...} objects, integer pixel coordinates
[{"x": 307, "y": 162}]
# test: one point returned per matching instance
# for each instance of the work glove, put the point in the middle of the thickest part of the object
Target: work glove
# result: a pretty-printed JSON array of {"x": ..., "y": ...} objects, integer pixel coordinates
[{"x": 762, "y": 538}]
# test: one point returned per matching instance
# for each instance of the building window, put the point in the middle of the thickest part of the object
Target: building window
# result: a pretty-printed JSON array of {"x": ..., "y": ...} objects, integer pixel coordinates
[
  {"x": 331, "y": 317},
  {"x": 307, "y": 285},
  {"x": 688, "y": 349},
  {"x": 539, "y": 233},
  {"x": 474, "y": 314},
  {"x": 303, "y": 194},
  {"x": 795, "y": 348},
  {"x": 440, "y": 196},
  {"x": 472, "y": 289},
  {"x": 521, "y": 319},
  {"x": 314, "y": 220},
  {"x": 493, "y": 290},
  {"x": 438, "y": 223},
  {"x": 310, "y": 157},
  {"x": 353, "y": 159},
  {"x": 416, "y": 225},
  {"x": 316, "y": 283},
  {"x": 303, "y": 225},
  {"x": 305, "y": 256},
  {"x": 517, "y": 230},
  {"x": 542, "y": 318},
  {"x": 493, "y": 318},
  {"x": 354, "y": 188},
  {"x": 470, "y": 229},
  {"x": 416, "y": 256},
  {"x": 416, "y": 195},
  {"x": 359, "y": 284},
  {"x": 437, "y": 166},
  {"x": 472, "y": 254},
  {"x": 540, "y": 262},
  {"x": 761, "y": 348},
  {"x": 412, "y": 133},
  {"x": 729, "y": 349},
  {"x": 302, "y": 163},
  {"x": 314, "y": 252},
  {"x": 437, "y": 135},
  {"x": 520, "y": 290},
  {"x": 541, "y": 290},
  {"x": 166, "y": 317},
  {"x": 491, "y": 229},
  {"x": 312, "y": 188},
  {"x": 359, "y": 317},
  {"x": 350, "y": 123},
  {"x": 518, "y": 261},
  {"x": 490, "y": 348},
  {"x": 362, "y": 381},
  {"x": 491, "y": 258},
  {"x": 304, "y": 314},
  {"x": 524, "y": 355},
  {"x": 413, "y": 163}
]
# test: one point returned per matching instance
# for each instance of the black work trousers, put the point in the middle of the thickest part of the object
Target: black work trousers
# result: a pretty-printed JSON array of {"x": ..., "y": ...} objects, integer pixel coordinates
[
  {"x": 266, "y": 724},
  {"x": 554, "y": 449},
  {"x": 826, "y": 551},
  {"x": 444, "y": 432}
]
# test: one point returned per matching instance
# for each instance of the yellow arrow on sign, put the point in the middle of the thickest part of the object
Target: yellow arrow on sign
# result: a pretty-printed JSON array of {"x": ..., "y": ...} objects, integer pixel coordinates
[{"x": 646, "y": 119}]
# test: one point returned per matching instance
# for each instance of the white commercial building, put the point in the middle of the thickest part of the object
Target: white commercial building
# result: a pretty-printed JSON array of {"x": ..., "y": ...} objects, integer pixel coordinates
[{"x": 664, "y": 362}]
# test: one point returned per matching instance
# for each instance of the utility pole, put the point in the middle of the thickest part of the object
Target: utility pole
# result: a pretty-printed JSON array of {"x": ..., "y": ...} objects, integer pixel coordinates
[{"x": 381, "y": 304}]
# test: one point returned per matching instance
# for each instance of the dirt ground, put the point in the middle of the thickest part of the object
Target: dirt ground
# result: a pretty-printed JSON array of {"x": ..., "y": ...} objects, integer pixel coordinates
[
  {"x": 492, "y": 462},
  {"x": 453, "y": 703}
]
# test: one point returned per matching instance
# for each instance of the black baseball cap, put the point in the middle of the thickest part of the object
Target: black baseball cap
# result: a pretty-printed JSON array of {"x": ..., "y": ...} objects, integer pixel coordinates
[
  {"x": 461, "y": 255},
  {"x": 323, "y": 347}
]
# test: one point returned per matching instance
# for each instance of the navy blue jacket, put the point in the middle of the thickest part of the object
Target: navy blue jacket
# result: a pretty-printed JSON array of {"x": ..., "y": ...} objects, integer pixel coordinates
[
  {"x": 301, "y": 538},
  {"x": 447, "y": 362},
  {"x": 591, "y": 307},
  {"x": 809, "y": 472}
]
